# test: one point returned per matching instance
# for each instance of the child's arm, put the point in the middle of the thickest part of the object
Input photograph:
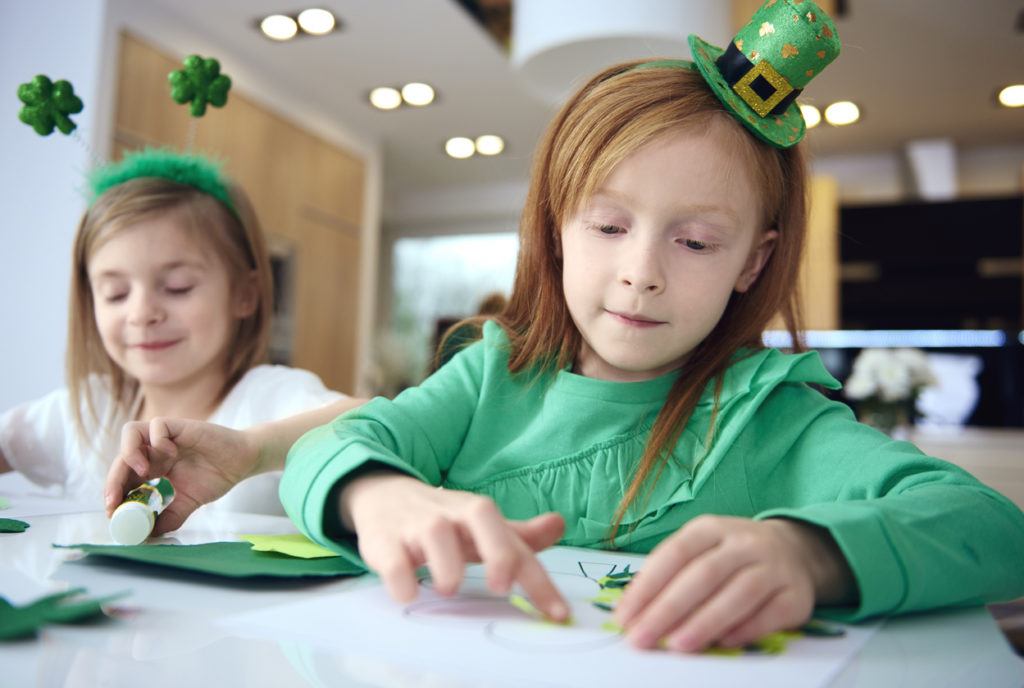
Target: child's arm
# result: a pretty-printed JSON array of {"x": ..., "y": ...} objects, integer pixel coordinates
[
  {"x": 729, "y": 581},
  {"x": 203, "y": 460},
  {"x": 403, "y": 523}
]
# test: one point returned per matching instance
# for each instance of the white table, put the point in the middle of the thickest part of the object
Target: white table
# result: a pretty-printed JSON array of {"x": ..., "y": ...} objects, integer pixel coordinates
[{"x": 166, "y": 632}]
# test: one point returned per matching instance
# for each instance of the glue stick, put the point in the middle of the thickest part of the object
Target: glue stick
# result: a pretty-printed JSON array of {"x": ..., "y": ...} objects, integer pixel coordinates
[{"x": 132, "y": 521}]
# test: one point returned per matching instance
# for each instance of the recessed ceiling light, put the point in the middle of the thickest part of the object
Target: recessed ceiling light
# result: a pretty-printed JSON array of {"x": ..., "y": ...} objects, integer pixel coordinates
[
  {"x": 489, "y": 144},
  {"x": 279, "y": 27},
  {"x": 843, "y": 112},
  {"x": 417, "y": 94},
  {"x": 316, "y": 21},
  {"x": 385, "y": 98},
  {"x": 811, "y": 115},
  {"x": 1012, "y": 96},
  {"x": 459, "y": 147}
]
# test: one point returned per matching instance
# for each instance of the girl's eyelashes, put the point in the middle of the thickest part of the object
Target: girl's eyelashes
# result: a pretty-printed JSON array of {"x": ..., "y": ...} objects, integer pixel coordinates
[
  {"x": 608, "y": 229},
  {"x": 179, "y": 291},
  {"x": 695, "y": 244}
]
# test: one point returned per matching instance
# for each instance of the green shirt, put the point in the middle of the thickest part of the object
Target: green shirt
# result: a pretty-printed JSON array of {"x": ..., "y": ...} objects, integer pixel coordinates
[{"x": 917, "y": 532}]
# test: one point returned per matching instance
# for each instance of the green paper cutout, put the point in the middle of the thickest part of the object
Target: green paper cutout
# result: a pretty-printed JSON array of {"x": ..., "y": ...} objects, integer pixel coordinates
[
  {"x": 5, "y": 503},
  {"x": 524, "y": 605},
  {"x": 229, "y": 559},
  {"x": 62, "y": 607},
  {"x": 199, "y": 82},
  {"x": 12, "y": 525},
  {"x": 48, "y": 104},
  {"x": 292, "y": 545}
]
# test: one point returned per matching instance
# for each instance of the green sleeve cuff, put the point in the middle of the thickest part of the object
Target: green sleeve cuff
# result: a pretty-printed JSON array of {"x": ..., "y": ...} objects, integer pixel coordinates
[
  {"x": 881, "y": 581},
  {"x": 311, "y": 483}
]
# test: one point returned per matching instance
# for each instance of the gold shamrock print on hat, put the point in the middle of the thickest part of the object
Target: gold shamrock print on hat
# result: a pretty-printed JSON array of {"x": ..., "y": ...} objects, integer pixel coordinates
[{"x": 768, "y": 64}]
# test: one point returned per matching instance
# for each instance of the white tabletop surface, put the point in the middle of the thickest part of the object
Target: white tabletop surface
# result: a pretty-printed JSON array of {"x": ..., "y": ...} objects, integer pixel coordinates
[{"x": 165, "y": 632}]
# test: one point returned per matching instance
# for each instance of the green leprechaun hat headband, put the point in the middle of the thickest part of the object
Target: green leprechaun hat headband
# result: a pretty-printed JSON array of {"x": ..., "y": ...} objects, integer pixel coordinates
[
  {"x": 767, "y": 65},
  {"x": 191, "y": 169}
]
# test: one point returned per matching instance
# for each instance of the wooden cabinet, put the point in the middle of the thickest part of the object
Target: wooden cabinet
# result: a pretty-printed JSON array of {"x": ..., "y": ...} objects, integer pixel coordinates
[{"x": 308, "y": 194}]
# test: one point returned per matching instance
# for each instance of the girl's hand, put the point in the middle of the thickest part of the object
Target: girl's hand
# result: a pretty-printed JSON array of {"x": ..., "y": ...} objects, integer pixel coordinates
[
  {"x": 202, "y": 460},
  {"x": 403, "y": 524},
  {"x": 729, "y": 581}
]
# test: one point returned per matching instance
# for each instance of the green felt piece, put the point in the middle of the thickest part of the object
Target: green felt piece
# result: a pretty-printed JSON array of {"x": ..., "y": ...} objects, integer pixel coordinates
[
  {"x": 12, "y": 525},
  {"x": 231, "y": 559},
  {"x": 62, "y": 607}
]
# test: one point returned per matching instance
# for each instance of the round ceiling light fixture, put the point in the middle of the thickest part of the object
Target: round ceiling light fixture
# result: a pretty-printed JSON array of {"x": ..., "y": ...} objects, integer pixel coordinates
[
  {"x": 316, "y": 21},
  {"x": 416, "y": 93},
  {"x": 279, "y": 27},
  {"x": 459, "y": 147},
  {"x": 841, "y": 113},
  {"x": 385, "y": 98},
  {"x": 489, "y": 144}
]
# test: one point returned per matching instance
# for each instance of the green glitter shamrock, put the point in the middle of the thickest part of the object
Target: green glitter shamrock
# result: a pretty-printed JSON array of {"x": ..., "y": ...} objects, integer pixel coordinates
[
  {"x": 200, "y": 82},
  {"x": 48, "y": 104}
]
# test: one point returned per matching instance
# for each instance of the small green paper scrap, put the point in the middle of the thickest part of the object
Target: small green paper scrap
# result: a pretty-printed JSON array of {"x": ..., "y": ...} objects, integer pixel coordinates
[
  {"x": 524, "y": 605},
  {"x": 199, "y": 82},
  {"x": 5, "y": 503},
  {"x": 62, "y": 607},
  {"x": 293, "y": 545},
  {"x": 12, "y": 525}
]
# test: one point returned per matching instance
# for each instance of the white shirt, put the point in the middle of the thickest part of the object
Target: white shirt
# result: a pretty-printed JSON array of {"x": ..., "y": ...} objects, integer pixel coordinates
[{"x": 39, "y": 438}]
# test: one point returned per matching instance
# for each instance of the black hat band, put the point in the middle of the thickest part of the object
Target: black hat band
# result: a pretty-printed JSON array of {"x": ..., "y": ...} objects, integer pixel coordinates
[{"x": 761, "y": 87}]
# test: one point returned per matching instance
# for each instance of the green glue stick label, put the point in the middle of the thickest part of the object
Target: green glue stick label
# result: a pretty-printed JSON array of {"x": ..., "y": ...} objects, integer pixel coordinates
[{"x": 132, "y": 521}]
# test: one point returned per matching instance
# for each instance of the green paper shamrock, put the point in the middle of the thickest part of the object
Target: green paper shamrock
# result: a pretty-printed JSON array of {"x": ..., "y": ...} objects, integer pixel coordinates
[
  {"x": 12, "y": 525},
  {"x": 199, "y": 82},
  {"x": 48, "y": 104},
  {"x": 62, "y": 607}
]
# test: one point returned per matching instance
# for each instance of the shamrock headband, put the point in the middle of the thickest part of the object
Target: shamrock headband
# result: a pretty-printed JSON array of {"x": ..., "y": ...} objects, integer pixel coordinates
[
  {"x": 766, "y": 66},
  {"x": 189, "y": 169}
]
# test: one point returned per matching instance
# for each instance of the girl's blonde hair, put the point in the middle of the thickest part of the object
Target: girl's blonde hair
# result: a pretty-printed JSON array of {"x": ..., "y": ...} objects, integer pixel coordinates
[
  {"x": 235, "y": 238},
  {"x": 612, "y": 116}
]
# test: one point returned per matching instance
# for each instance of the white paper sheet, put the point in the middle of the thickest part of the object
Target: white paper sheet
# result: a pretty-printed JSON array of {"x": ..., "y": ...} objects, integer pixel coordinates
[{"x": 477, "y": 638}]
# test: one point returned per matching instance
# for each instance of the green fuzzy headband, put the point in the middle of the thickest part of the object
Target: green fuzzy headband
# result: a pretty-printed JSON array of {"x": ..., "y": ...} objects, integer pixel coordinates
[{"x": 189, "y": 169}]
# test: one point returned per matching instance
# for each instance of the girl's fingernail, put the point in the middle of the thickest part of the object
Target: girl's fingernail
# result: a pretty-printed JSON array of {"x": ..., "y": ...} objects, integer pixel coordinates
[
  {"x": 559, "y": 611},
  {"x": 642, "y": 639}
]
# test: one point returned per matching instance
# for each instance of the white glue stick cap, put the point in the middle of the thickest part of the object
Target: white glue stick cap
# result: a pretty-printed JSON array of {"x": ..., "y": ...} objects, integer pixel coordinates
[{"x": 131, "y": 523}]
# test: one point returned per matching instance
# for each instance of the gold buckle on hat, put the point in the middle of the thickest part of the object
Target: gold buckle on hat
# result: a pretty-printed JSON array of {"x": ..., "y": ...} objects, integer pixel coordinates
[{"x": 762, "y": 106}]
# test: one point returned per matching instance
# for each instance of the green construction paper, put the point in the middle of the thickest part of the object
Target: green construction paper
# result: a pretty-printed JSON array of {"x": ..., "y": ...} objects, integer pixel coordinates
[
  {"x": 230, "y": 559},
  {"x": 62, "y": 607},
  {"x": 12, "y": 525}
]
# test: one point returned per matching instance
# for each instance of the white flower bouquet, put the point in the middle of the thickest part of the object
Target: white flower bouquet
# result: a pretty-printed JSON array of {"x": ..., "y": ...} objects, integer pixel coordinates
[{"x": 885, "y": 383}]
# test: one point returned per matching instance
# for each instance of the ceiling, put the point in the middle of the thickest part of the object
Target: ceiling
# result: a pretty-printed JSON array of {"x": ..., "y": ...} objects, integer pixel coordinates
[{"x": 918, "y": 69}]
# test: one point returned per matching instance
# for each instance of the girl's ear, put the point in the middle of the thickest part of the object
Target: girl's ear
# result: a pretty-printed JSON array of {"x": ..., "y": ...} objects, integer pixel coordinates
[
  {"x": 759, "y": 256},
  {"x": 247, "y": 299}
]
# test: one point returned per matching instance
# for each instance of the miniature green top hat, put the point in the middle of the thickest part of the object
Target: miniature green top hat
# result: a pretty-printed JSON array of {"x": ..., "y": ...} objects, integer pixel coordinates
[{"x": 769, "y": 62}]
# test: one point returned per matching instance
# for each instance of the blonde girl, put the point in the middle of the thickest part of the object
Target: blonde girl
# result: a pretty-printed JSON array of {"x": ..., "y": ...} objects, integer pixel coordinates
[{"x": 170, "y": 307}]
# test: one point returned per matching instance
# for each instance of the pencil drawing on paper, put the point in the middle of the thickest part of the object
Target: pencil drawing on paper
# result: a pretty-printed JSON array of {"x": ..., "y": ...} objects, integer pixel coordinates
[{"x": 592, "y": 591}]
